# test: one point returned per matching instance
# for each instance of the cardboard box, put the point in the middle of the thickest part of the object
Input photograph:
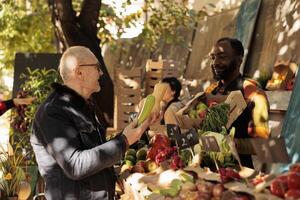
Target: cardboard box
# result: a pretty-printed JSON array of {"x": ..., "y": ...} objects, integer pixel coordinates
[{"x": 235, "y": 99}]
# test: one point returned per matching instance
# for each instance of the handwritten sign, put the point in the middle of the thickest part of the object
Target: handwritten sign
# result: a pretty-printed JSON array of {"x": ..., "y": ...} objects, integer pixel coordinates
[
  {"x": 174, "y": 134},
  {"x": 185, "y": 140},
  {"x": 210, "y": 143},
  {"x": 192, "y": 137}
]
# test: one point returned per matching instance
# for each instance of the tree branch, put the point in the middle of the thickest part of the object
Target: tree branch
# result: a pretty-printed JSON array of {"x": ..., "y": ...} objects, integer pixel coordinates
[
  {"x": 71, "y": 30},
  {"x": 89, "y": 16}
]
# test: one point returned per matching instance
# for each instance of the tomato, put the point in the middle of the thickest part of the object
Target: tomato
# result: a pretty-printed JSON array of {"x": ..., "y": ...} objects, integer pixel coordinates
[
  {"x": 293, "y": 180},
  {"x": 278, "y": 187},
  {"x": 160, "y": 140},
  {"x": 295, "y": 168},
  {"x": 283, "y": 178},
  {"x": 292, "y": 194},
  {"x": 152, "y": 153},
  {"x": 218, "y": 190}
]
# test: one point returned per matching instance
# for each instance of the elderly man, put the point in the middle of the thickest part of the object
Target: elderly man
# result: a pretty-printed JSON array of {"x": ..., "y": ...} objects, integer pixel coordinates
[
  {"x": 226, "y": 58},
  {"x": 72, "y": 153}
]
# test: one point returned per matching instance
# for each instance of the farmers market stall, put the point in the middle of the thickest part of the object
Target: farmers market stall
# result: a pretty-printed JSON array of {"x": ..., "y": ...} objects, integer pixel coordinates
[{"x": 204, "y": 163}]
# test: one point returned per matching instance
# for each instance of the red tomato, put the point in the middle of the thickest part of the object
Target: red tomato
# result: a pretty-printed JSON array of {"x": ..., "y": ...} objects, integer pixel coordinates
[
  {"x": 292, "y": 194},
  {"x": 293, "y": 180},
  {"x": 295, "y": 168},
  {"x": 278, "y": 187},
  {"x": 160, "y": 140},
  {"x": 283, "y": 178},
  {"x": 152, "y": 153}
]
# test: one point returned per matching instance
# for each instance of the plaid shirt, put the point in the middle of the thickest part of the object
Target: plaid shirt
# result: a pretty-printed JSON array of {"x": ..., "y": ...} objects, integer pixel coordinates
[{"x": 6, "y": 105}]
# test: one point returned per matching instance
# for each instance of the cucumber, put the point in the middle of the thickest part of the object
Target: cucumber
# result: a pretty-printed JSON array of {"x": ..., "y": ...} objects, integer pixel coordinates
[{"x": 147, "y": 108}]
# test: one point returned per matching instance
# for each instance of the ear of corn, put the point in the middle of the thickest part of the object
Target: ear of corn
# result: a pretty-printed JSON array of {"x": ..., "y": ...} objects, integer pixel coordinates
[
  {"x": 146, "y": 109},
  {"x": 159, "y": 92}
]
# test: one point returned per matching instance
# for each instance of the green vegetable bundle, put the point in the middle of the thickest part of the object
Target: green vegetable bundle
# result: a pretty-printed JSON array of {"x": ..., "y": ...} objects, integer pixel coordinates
[{"x": 216, "y": 117}]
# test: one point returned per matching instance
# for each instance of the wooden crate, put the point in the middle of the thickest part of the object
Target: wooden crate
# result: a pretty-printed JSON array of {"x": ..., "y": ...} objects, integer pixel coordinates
[
  {"x": 127, "y": 95},
  {"x": 157, "y": 70}
]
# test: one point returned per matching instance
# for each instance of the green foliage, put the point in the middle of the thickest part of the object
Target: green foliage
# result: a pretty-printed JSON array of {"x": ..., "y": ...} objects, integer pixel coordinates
[
  {"x": 166, "y": 19},
  {"x": 37, "y": 83},
  {"x": 12, "y": 172},
  {"x": 216, "y": 117},
  {"x": 24, "y": 28},
  {"x": 163, "y": 21},
  {"x": 108, "y": 17}
]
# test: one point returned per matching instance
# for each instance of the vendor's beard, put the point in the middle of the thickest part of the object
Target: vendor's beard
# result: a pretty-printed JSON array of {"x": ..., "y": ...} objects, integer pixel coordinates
[{"x": 221, "y": 75}]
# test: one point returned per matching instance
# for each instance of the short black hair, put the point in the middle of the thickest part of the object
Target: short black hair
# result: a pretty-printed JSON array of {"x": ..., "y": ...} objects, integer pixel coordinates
[
  {"x": 235, "y": 44},
  {"x": 175, "y": 85}
]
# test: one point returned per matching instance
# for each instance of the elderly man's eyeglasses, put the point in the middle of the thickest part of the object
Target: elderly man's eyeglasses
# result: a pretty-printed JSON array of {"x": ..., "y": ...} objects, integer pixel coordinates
[{"x": 97, "y": 65}]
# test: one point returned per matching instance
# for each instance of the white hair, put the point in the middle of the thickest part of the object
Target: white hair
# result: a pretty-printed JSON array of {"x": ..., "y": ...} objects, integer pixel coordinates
[{"x": 71, "y": 58}]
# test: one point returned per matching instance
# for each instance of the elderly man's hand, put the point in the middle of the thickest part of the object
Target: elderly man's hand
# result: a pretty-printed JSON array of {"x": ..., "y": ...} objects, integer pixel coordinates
[{"x": 134, "y": 133}]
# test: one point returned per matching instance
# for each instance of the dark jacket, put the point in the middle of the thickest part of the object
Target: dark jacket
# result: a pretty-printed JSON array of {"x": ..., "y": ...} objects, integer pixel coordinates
[{"x": 72, "y": 154}]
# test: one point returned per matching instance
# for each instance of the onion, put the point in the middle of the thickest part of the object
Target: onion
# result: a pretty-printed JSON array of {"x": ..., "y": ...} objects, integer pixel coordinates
[
  {"x": 218, "y": 190},
  {"x": 205, "y": 187},
  {"x": 189, "y": 186}
]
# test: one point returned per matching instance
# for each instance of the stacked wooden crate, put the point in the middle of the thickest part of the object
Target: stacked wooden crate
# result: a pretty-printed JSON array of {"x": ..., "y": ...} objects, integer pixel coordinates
[
  {"x": 157, "y": 70},
  {"x": 127, "y": 95}
]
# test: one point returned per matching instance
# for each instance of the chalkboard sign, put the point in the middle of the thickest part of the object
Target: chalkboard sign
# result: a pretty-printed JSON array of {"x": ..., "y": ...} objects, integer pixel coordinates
[
  {"x": 186, "y": 140},
  {"x": 192, "y": 137},
  {"x": 174, "y": 134},
  {"x": 210, "y": 143}
]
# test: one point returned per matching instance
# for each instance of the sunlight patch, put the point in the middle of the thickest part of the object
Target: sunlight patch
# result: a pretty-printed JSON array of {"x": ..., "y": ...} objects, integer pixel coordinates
[
  {"x": 295, "y": 27},
  {"x": 283, "y": 50}
]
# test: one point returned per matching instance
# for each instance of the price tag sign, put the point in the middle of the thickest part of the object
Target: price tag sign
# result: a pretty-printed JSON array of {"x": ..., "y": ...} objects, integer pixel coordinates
[
  {"x": 183, "y": 144},
  {"x": 210, "y": 143},
  {"x": 185, "y": 140},
  {"x": 271, "y": 150},
  {"x": 192, "y": 137},
  {"x": 174, "y": 133}
]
